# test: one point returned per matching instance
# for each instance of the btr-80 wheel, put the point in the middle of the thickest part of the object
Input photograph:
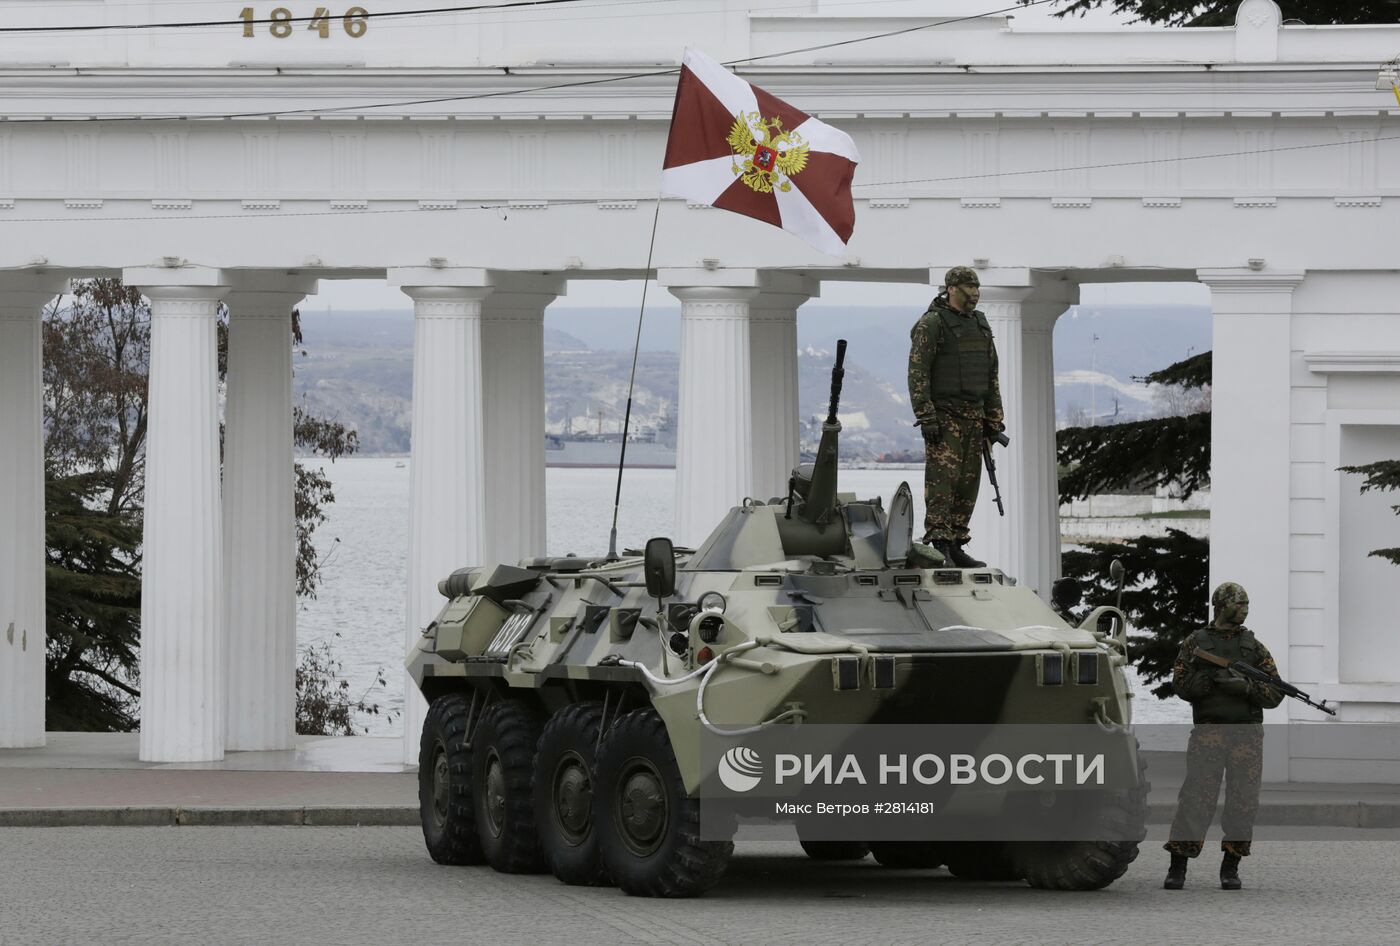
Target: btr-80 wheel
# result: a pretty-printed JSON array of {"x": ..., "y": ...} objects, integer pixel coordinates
[
  {"x": 1091, "y": 865},
  {"x": 565, "y": 763},
  {"x": 502, "y": 766},
  {"x": 444, "y": 783},
  {"x": 648, "y": 827}
]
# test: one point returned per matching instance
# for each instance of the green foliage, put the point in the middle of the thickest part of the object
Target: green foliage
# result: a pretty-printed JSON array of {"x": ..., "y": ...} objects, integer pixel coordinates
[
  {"x": 1165, "y": 594},
  {"x": 1166, "y": 577},
  {"x": 96, "y": 360},
  {"x": 1159, "y": 452},
  {"x": 92, "y": 606},
  {"x": 1121, "y": 457},
  {"x": 1193, "y": 372},
  {"x": 325, "y": 438},
  {"x": 1382, "y": 475},
  {"x": 324, "y": 705},
  {"x": 1222, "y": 12}
]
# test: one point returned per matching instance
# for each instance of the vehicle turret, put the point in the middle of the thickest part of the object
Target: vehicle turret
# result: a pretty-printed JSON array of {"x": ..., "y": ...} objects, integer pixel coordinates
[{"x": 569, "y": 696}]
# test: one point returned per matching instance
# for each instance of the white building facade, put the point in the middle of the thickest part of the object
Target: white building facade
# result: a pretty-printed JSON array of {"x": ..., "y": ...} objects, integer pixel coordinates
[{"x": 483, "y": 161}]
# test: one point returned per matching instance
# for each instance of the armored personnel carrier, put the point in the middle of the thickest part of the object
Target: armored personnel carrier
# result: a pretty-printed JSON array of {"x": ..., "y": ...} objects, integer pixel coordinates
[{"x": 567, "y": 696}]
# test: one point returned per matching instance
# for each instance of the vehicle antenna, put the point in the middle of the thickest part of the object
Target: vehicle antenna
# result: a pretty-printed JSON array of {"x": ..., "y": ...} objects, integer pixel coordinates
[{"x": 631, "y": 385}]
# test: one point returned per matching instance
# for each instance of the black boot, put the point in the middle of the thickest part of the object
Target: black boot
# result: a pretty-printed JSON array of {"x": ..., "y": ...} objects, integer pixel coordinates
[
  {"x": 1230, "y": 872},
  {"x": 962, "y": 559},
  {"x": 944, "y": 547},
  {"x": 1176, "y": 874}
]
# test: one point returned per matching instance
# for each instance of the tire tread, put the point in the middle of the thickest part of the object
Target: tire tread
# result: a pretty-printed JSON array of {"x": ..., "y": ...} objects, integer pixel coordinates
[
  {"x": 694, "y": 865},
  {"x": 459, "y": 843}
]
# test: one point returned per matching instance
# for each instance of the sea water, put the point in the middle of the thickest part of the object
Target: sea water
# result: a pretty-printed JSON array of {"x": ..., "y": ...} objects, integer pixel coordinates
[{"x": 363, "y": 549}]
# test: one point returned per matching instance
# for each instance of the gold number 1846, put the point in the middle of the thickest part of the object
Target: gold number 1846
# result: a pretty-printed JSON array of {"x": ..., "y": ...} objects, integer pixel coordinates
[{"x": 355, "y": 22}]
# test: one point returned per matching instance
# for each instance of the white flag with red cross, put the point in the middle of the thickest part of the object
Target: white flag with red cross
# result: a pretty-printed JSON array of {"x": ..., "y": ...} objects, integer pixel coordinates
[{"x": 736, "y": 147}]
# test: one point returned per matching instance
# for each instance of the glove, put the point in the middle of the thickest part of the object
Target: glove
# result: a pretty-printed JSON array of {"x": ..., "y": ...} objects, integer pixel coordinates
[
  {"x": 931, "y": 429},
  {"x": 1227, "y": 681}
]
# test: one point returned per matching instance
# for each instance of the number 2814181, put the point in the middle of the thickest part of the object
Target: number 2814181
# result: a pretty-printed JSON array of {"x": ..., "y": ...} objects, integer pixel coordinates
[{"x": 280, "y": 21}]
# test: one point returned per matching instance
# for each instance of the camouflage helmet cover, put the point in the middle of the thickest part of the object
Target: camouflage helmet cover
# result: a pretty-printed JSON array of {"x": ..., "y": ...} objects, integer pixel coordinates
[
  {"x": 1231, "y": 605},
  {"x": 1228, "y": 593},
  {"x": 960, "y": 276}
]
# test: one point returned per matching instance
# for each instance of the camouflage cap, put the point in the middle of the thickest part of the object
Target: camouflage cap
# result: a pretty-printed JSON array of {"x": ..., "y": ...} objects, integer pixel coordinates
[
  {"x": 1228, "y": 593},
  {"x": 961, "y": 276}
]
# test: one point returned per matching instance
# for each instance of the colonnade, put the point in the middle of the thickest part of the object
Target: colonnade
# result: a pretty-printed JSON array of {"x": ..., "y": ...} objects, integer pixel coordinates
[{"x": 218, "y": 574}]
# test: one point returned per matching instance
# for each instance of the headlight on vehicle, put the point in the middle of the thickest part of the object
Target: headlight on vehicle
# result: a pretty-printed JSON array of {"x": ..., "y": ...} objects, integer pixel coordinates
[{"x": 713, "y": 602}]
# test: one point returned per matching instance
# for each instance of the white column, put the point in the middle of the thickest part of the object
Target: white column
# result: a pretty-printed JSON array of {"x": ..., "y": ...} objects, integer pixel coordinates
[
  {"x": 259, "y": 519},
  {"x": 1249, "y": 443},
  {"x": 512, "y": 382},
  {"x": 447, "y": 475},
  {"x": 773, "y": 373},
  {"x": 1001, "y": 541},
  {"x": 1038, "y": 503},
  {"x": 182, "y": 605},
  {"x": 22, "y": 300},
  {"x": 714, "y": 441}
]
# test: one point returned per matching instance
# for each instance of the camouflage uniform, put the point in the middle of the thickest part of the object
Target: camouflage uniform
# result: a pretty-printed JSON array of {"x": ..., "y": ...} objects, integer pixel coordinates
[
  {"x": 954, "y": 392},
  {"x": 1227, "y": 741}
]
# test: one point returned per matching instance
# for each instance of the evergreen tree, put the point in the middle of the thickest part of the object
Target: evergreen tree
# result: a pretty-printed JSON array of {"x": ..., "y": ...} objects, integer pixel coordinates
[
  {"x": 1165, "y": 578},
  {"x": 92, "y": 605},
  {"x": 1159, "y": 452},
  {"x": 1222, "y": 12},
  {"x": 1382, "y": 475},
  {"x": 1165, "y": 593}
]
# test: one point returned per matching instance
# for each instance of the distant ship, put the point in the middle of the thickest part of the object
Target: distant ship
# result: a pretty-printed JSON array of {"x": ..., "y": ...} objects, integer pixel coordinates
[{"x": 647, "y": 448}]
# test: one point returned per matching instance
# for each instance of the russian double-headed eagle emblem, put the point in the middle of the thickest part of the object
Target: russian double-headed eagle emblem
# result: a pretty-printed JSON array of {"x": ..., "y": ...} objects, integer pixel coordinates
[{"x": 770, "y": 155}]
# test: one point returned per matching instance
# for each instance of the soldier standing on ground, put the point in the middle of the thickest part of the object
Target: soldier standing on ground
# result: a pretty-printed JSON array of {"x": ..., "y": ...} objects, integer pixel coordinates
[
  {"x": 957, "y": 404},
  {"x": 1227, "y": 741}
]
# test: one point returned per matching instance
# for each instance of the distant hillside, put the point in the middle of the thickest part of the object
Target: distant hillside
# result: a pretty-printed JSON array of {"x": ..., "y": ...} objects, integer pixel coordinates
[
  {"x": 1100, "y": 349},
  {"x": 358, "y": 368}
]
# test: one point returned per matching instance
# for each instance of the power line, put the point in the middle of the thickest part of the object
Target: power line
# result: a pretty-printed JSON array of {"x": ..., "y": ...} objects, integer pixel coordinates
[
  {"x": 240, "y": 21},
  {"x": 1139, "y": 163},
  {"x": 482, "y": 17},
  {"x": 501, "y": 93},
  {"x": 620, "y": 78},
  {"x": 207, "y": 26}
]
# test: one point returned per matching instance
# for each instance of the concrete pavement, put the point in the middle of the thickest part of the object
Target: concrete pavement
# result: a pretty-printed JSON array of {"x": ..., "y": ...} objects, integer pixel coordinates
[
  {"x": 96, "y": 779},
  {"x": 376, "y": 886}
]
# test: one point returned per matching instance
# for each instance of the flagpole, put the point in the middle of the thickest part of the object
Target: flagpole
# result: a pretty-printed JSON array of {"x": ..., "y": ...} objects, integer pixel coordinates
[{"x": 631, "y": 384}]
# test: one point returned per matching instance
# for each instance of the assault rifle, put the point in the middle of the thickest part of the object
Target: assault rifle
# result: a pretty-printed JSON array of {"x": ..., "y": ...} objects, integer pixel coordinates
[
  {"x": 1254, "y": 673},
  {"x": 1005, "y": 441}
]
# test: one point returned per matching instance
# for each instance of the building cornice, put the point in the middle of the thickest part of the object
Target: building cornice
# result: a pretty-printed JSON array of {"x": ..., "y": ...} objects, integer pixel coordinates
[
  {"x": 1248, "y": 280},
  {"x": 1353, "y": 362}
]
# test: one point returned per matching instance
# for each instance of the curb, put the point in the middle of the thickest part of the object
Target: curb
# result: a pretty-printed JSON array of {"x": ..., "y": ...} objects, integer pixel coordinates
[{"x": 165, "y": 817}]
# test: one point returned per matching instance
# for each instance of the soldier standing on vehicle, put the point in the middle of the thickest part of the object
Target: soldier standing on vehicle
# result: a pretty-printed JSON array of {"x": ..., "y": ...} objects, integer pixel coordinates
[
  {"x": 1227, "y": 741},
  {"x": 956, "y": 399}
]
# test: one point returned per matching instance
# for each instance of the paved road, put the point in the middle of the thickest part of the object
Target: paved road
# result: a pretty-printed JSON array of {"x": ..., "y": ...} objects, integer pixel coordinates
[{"x": 346, "y": 886}]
